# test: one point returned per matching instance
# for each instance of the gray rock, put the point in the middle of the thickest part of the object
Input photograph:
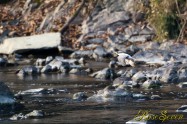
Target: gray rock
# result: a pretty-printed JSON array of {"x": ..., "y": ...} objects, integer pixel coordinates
[
  {"x": 31, "y": 70},
  {"x": 35, "y": 113},
  {"x": 80, "y": 54},
  {"x": 183, "y": 108},
  {"x": 3, "y": 62},
  {"x": 151, "y": 84},
  {"x": 55, "y": 64},
  {"x": 40, "y": 62},
  {"x": 140, "y": 38},
  {"x": 140, "y": 97},
  {"x": 156, "y": 97},
  {"x": 6, "y": 96},
  {"x": 65, "y": 68},
  {"x": 80, "y": 96},
  {"x": 48, "y": 59},
  {"x": 144, "y": 119},
  {"x": 139, "y": 77},
  {"x": 46, "y": 69},
  {"x": 96, "y": 41},
  {"x": 183, "y": 85},
  {"x": 106, "y": 73},
  {"x": 33, "y": 91},
  {"x": 19, "y": 116}
]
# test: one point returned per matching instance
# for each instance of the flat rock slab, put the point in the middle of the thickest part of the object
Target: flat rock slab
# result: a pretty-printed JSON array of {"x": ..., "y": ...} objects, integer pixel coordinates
[{"x": 36, "y": 42}]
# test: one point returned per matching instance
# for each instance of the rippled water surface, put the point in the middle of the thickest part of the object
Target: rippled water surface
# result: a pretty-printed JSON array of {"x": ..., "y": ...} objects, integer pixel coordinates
[{"x": 60, "y": 108}]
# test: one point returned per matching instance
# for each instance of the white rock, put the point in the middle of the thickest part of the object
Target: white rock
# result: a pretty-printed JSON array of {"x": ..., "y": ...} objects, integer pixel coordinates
[{"x": 43, "y": 41}]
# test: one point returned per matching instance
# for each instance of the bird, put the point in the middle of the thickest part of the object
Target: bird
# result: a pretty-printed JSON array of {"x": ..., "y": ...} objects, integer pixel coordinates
[{"x": 125, "y": 59}]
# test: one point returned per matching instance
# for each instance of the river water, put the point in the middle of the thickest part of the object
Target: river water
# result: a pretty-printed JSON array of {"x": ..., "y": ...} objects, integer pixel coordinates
[{"x": 60, "y": 108}]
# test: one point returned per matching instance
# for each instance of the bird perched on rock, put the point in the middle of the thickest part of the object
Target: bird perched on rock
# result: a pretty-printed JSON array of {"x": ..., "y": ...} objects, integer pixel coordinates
[{"x": 125, "y": 59}]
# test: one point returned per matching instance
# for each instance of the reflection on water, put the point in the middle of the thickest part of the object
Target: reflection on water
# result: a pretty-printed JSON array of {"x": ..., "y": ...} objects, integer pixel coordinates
[{"x": 61, "y": 109}]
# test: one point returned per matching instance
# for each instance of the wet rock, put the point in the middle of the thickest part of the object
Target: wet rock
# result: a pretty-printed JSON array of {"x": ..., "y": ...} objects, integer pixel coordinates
[
  {"x": 139, "y": 77},
  {"x": 33, "y": 91},
  {"x": 183, "y": 85},
  {"x": 140, "y": 97},
  {"x": 35, "y": 113},
  {"x": 29, "y": 70},
  {"x": 119, "y": 81},
  {"x": 156, "y": 97},
  {"x": 80, "y": 96},
  {"x": 46, "y": 69},
  {"x": 55, "y": 64},
  {"x": 144, "y": 120},
  {"x": 48, "y": 59},
  {"x": 74, "y": 71},
  {"x": 19, "y": 116},
  {"x": 151, "y": 84},
  {"x": 110, "y": 94},
  {"x": 89, "y": 70},
  {"x": 40, "y": 62},
  {"x": 24, "y": 44},
  {"x": 65, "y": 68},
  {"x": 6, "y": 96},
  {"x": 3, "y": 62},
  {"x": 106, "y": 73},
  {"x": 82, "y": 61},
  {"x": 183, "y": 108}
]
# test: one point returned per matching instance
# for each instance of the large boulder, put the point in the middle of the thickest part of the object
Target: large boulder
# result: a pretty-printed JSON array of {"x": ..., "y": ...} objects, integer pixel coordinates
[{"x": 36, "y": 42}]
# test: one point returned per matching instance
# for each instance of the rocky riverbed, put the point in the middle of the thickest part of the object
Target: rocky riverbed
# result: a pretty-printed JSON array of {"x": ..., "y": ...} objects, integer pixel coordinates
[{"x": 107, "y": 73}]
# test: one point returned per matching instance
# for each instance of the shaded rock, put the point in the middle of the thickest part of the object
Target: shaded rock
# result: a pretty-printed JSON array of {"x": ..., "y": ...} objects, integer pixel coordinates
[
  {"x": 137, "y": 17},
  {"x": 65, "y": 68},
  {"x": 100, "y": 53},
  {"x": 151, "y": 84},
  {"x": 24, "y": 44},
  {"x": 80, "y": 96},
  {"x": 3, "y": 62}
]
